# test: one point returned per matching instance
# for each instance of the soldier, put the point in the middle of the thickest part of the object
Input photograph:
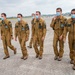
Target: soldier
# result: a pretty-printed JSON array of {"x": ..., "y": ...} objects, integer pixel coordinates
[
  {"x": 32, "y": 22},
  {"x": 22, "y": 32},
  {"x": 6, "y": 35},
  {"x": 70, "y": 27},
  {"x": 39, "y": 32},
  {"x": 57, "y": 24}
]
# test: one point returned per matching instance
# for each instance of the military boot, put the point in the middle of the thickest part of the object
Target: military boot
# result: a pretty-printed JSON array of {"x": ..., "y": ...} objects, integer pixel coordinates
[
  {"x": 73, "y": 67},
  {"x": 6, "y": 57},
  {"x": 56, "y": 58},
  {"x": 59, "y": 59},
  {"x": 71, "y": 62},
  {"x": 40, "y": 57},
  {"x": 25, "y": 57},
  {"x": 37, "y": 55},
  {"x": 22, "y": 57}
]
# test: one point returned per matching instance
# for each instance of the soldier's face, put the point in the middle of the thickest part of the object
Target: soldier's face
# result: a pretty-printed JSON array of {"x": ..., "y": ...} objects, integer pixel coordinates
[
  {"x": 37, "y": 15},
  {"x": 33, "y": 16},
  {"x": 73, "y": 15},
  {"x": 3, "y": 17},
  {"x": 73, "y": 12},
  {"x": 58, "y": 12},
  {"x": 19, "y": 16}
]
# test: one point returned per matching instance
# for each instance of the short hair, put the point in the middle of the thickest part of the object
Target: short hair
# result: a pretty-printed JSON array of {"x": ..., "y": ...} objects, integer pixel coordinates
[
  {"x": 38, "y": 12},
  {"x": 20, "y": 14},
  {"x": 4, "y": 14},
  {"x": 33, "y": 14},
  {"x": 72, "y": 10},
  {"x": 59, "y": 9}
]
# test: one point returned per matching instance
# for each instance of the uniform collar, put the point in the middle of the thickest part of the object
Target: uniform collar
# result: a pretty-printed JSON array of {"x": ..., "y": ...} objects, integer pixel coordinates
[
  {"x": 39, "y": 20},
  {"x": 4, "y": 21},
  {"x": 21, "y": 21},
  {"x": 71, "y": 20},
  {"x": 60, "y": 17}
]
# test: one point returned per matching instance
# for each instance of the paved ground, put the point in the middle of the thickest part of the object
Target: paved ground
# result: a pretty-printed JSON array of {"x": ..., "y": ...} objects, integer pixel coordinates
[{"x": 32, "y": 66}]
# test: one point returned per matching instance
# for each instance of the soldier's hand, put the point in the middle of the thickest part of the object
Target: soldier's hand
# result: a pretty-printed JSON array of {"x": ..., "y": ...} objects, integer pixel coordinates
[
  {"x": 12, "y": 37},
  {"x": 15, "y": 39},
  {"x": 43, "y": 38},
  {"x": 54, "y": 18},
  {"x": 27, "y": 39},
  {"x": 1, "y": 37},
  {"x": 61, "y": 37}
]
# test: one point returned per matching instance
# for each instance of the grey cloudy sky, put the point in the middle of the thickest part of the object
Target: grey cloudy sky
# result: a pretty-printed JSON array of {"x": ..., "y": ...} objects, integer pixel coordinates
[{"x": 26, "y": 7}]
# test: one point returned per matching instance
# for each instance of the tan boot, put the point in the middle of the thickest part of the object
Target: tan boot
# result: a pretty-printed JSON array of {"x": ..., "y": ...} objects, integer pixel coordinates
[
  {"x": 56, "y": 58},
  {"x": 6, "y": 57},
  {"x": 59, "y": 59},
  {"x": 40, "y": 57},
  {"x": 71, "y": 62},
  {"x": 25, "y": 57},
  {"x": 22, "y": 57},
  {"x": 73, "y": 67},
  {"x": 37, "y": 56}
]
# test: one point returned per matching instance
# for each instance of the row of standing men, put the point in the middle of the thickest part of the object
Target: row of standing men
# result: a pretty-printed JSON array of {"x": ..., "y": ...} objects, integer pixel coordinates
[{"x": 59, "y": 24}]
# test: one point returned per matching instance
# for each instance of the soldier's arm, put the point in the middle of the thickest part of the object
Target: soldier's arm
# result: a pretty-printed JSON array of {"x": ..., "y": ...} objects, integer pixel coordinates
[
  {"x": 44, "y": 29},
  {"x": 11, "y": 29},
  {"x": 1, "y": 32},
  {"x": 27, "y": 31},
  {"x": 15, "y": 31},
  {"x": 33, "y": 30},
  {"x": 65, "y": 28},
  {"x": 52, "y": 23},
  {"x": 65, "y": 31}
]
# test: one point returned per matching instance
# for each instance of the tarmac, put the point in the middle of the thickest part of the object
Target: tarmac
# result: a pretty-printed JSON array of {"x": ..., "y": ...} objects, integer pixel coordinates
[{"x": 33, "y": 66}]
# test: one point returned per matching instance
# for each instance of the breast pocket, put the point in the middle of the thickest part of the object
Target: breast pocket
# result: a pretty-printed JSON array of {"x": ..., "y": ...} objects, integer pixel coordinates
[{"x": 40, "y": 26}]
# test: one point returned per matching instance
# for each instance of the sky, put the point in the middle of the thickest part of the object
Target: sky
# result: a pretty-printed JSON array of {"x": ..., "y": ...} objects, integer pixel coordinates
[{"x": 27, "y": 7}]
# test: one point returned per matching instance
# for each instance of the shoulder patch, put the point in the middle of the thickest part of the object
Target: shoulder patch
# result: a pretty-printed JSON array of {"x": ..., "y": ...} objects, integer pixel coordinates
[
  {"x": 27, "y": 27},
  {"x": 10, "y": 24}
]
